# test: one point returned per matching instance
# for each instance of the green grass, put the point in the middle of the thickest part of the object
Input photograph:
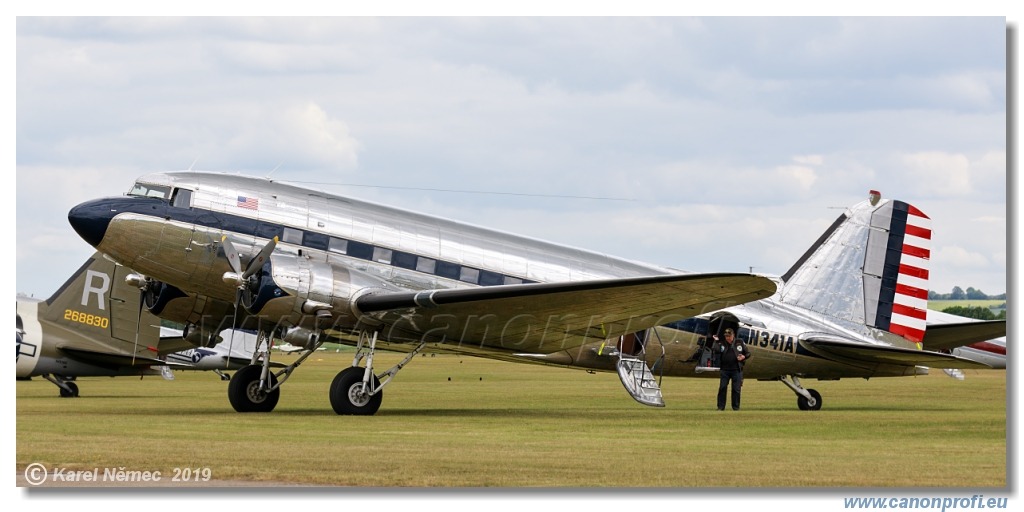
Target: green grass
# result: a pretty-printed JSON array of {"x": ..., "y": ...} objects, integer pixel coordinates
[{"x": 506, "y": 425}]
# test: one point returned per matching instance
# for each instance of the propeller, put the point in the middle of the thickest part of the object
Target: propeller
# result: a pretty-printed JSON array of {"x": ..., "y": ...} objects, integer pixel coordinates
[{"x": 240, "y": 279}]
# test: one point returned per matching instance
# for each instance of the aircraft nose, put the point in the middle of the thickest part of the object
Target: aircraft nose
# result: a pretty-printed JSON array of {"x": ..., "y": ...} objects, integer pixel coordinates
[{"x": 90, "y": 220}]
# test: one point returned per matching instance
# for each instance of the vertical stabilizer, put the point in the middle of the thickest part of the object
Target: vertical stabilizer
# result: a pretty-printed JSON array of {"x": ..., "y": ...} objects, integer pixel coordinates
[{"x": 870, "y": 268}]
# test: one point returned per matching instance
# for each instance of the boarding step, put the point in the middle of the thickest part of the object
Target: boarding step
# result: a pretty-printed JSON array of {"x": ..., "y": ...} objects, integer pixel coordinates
[{"x": 638, "y": 380}]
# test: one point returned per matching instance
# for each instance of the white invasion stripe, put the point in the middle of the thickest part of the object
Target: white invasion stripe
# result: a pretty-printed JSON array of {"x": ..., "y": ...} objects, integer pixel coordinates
[
  {"x": 913, "y": 302},
  {"x": 916, "y": 282}
]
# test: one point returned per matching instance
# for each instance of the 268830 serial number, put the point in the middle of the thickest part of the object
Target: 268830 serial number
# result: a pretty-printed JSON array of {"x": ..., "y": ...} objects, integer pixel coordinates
[{"x": 84, "y": 318}]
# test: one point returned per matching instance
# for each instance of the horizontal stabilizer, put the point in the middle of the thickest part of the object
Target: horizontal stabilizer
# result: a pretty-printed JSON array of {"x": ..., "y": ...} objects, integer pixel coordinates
[
  {"x": 955, "y": 335},
  {"x": 110, "y": 360},
  {"x": 884, "y": 354},
  {"x": 546, "y": 317}
]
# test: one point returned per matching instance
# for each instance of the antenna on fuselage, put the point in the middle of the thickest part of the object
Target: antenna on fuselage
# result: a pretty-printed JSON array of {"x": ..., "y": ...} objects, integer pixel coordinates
[
  {"x": 267, "y": 177},
  {"x": 193, "y": 164}
]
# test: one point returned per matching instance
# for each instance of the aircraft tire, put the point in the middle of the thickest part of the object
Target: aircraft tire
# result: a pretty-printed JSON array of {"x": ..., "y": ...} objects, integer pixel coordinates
[
  {"x": 805, "y": 405},
  {"x": 242, "y": 391},
  {"x": 346, "y": 396},
  {"x": 74, "y": 390}
]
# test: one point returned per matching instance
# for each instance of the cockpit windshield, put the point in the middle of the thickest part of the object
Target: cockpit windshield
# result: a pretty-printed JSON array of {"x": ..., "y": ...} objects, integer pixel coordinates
[{"x": 144, "y": 190}]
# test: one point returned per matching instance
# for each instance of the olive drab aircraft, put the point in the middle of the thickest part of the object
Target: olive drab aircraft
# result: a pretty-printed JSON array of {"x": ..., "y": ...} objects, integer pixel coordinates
[
  {"x": 95, "y": 326},
  {"x": 213, "y": 250}
]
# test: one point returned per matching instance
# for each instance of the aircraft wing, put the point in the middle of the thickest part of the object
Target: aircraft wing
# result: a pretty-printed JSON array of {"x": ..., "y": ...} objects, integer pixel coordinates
[
  {"x": 955, "y": 335},
  {"x": 845, "y": 351},
  {"x": 112, "y": 360},
  {"x": 544, "y": 318}
]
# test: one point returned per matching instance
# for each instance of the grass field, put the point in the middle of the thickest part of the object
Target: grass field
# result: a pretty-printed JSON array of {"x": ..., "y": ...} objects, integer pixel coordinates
[
  {"x": 939, "y": 305},
  {"x": 508, "y": 425}
]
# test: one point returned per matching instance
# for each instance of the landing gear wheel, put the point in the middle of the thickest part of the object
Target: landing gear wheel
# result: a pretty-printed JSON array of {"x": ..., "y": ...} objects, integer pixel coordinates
[
  {"x": 73, "y": 393},
  {"x": 813, "y": 404},
  {"x": 245, "y": 395},
  {"x": 348, "y": 395}
]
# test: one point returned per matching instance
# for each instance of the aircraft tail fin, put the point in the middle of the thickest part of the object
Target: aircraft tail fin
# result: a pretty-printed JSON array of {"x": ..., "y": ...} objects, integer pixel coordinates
[
  {"x": 97, "y": 301},
  {"x": 870, "y": 267}
]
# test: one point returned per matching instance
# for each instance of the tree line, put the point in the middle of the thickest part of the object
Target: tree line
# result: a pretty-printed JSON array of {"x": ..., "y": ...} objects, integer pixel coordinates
[{"x": 960, "y": 294}]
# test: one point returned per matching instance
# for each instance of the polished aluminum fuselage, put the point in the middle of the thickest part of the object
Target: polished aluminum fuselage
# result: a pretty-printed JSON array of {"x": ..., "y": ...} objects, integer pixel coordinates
[{"x": 184, "y": 252}]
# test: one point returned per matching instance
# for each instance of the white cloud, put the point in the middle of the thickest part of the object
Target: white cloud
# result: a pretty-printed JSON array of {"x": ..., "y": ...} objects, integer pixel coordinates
[
  {"x": 959, "y": 257},
  {"x": 939, "y": 173}
]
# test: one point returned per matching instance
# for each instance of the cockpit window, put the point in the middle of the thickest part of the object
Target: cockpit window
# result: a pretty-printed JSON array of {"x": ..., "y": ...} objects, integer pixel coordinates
[
  {"x": 144, "y": 190},
  {"x": 182, "y": 198}
]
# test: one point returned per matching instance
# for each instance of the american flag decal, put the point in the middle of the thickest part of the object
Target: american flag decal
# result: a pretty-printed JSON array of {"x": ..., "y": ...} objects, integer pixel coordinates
[{"x": 251, "y": 203}]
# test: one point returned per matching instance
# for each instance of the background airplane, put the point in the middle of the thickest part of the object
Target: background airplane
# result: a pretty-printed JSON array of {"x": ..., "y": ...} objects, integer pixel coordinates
[
  {"x": 88, "y": 329},
  {"x": 305, "y": 266}
]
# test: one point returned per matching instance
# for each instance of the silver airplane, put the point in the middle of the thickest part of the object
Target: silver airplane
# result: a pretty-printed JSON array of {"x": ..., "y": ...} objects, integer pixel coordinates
[
  {"x": 211, "y": 250},
  {"x": 93, "y": 326}
]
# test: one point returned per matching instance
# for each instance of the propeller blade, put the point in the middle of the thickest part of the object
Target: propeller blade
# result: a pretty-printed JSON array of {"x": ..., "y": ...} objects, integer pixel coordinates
[
  {"x": 232, "y": 254},
  {"x": 257, "y": 263}
]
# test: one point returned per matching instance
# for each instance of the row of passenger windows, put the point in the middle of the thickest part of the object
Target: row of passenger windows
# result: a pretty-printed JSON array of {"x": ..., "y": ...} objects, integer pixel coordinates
[
  {"x": 398, "y": 259},
  {"x": 181, "y": 198}
]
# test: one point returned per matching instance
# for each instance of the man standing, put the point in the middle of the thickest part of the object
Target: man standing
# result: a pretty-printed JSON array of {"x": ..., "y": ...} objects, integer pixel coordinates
[{"x": 731, "y": 357}]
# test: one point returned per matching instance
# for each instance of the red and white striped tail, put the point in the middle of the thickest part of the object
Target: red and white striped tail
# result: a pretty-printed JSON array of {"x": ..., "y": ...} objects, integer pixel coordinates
[{"x": 896, "y": 264}]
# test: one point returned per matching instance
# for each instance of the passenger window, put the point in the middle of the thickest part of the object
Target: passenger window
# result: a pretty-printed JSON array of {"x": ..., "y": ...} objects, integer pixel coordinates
[
  {"x": 405, "y": 260},
  {"x": 449, "y": 270},
  {"x": 490, "y": 278},
  {"x": 292, "y": 236},
  {"x": 338, "y": 245},
  {"x": 469, "y": 275},
  {"x": 382, "y": 255},
  {"x": 360, "y": 250},
  {"x": 426, "y": 265}
]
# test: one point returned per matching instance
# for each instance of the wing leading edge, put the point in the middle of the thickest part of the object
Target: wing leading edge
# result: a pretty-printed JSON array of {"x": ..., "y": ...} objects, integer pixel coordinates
[{"x": 544, "y": 318}]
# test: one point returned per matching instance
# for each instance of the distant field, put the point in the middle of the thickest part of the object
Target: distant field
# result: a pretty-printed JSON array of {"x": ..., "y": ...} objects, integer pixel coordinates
[
  {"x": 499, "y": 424},
  {"x": 939, "y": 305}
]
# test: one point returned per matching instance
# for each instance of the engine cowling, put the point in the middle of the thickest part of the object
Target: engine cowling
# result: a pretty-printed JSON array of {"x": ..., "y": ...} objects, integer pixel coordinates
[
  {"x": 301, "y": 292},
  {"x": 200, "y": 336}
]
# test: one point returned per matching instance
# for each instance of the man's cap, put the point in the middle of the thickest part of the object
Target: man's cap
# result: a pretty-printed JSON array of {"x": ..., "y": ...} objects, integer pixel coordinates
[{"x": 729, "y": 331}]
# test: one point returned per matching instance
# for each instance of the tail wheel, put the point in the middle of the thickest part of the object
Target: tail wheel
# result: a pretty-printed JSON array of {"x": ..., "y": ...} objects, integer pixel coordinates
[
  {"x": 813, "y": 404},
  {"x": 69, "y": 394},
  {"x": 349, "y": 395},
  {"x": 245, "y": 394}
]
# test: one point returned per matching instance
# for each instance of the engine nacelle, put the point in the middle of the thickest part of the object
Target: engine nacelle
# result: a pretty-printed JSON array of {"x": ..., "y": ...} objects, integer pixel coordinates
[
  {"x": 301, "y": 292},
  {"x": 158, "y": 294},
  {"x": 201, "y": 337},
  {"x": 301, "y": 337}
]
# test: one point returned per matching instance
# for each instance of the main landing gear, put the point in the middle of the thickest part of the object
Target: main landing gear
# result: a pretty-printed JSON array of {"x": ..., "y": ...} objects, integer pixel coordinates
[
  {"x": 354, "y": 391},
  {"x": 255, "y": 388},
  {"x": 806, "y": 399},
  {"x": 357, "y": 391}
]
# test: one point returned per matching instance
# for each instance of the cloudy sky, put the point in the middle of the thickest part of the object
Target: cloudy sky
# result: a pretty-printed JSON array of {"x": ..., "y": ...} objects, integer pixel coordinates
[{"x": 710, "y": 144}]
